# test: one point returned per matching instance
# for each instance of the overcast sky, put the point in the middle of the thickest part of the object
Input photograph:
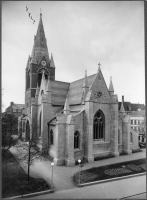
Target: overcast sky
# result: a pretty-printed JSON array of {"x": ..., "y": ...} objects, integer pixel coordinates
[{"x": 80, "y": 35}]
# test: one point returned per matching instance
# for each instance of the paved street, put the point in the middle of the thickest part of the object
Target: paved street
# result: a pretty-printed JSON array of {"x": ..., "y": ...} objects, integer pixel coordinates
[
  {"x": 65, "y": 188},
  {"x": 115, "y": 189}
]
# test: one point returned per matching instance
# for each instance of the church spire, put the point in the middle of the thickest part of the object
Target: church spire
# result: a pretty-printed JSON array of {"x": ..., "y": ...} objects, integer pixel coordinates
[
  {"x": 40, "y": 44},
  {"x": 85, "y": 86},
  {"x": 37, "y": 92},
  {"x": 85, "y": 83},
  {"x": 111, "y": 89},
  {"x": 52, "y": 64},
  {"x": 66, "y": 106}
]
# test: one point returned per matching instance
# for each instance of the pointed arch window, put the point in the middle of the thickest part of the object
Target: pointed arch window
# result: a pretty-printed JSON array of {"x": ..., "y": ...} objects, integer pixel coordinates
[
  {"x": 51, "y": 137},
  {"x": 131, "y": 138},
  {"x": 39, "y": 79},
  {"x": 76, "y": 140},
  {"x": 40, "y": 125},
  {"x": 99, "y": 126}
]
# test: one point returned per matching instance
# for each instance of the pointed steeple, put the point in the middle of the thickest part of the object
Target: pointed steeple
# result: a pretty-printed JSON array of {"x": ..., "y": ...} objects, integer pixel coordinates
[
  {"x": 111, "y": 89},
  {"x": 66, "y": 106},
  {"x": 85, "y": 86},
  {"x": 37, "y": 91},
  {"x": 40, "y": 45},
  {"x": 48, "y": 91},
  {"x": 52, "y": 64},
  {"x": 85, "y": 82},
  {"x": 122, "y": 110}
]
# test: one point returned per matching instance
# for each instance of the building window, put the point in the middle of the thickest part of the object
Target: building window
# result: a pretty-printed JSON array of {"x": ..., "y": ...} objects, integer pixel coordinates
[
  {"x": 131, "y": 138},
  {"x": 51, "y": 137},
  {"x": 76, "y": 139},
  {"x": 134, "y": 121},
  {"x": 14, "y": 110},
  {"x": 99, "y": 126},
  {"x": 139, "y": 122},
  {"x": 40, "y": 126},
  {"x": 131, "y": 121},
  {"x": 118, "y": 136},
  {"x": 39, "y": 79}
]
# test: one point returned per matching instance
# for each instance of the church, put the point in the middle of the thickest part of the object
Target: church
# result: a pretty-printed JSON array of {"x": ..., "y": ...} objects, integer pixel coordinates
[{"x": 77, "y": 120}]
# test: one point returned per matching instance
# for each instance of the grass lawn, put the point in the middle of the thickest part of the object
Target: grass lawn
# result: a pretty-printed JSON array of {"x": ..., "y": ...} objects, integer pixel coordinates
[
  {"x": 110, "y": 171},
  {"x": 14, "y": 179}
]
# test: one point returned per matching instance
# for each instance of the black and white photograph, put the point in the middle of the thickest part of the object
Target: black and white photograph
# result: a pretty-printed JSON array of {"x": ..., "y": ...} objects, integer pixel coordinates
[{"x": 73, "y": 100}]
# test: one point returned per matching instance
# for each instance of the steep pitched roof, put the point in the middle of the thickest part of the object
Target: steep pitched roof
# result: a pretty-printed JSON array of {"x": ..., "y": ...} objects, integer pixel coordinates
[
  {"x": 140, "y": 113},
  {"x": 76, "y": 89},
  {"x": 18, "y": 106},
  {"x": 133, "y": 106},
  {"x": 59, "y": 91}
]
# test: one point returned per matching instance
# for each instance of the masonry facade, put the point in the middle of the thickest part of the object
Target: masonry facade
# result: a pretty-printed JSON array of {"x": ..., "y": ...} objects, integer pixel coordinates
[{"x": 72, "y": 120}]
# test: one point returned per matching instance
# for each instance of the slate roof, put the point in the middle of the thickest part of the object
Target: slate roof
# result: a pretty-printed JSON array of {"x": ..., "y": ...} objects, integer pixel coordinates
[
  {"x": 59, "y": 92},
  {"x": 74, "y": 90},
  {"x": 138, "y": 113},
  {"x": 133, "y": 106},
  {"x": 18, "y": 106},
  {"x": 15, "y": 106}
]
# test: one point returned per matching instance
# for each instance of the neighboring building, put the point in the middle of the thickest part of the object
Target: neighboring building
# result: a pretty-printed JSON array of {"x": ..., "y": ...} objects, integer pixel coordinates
[
  {"x": 131, "y": 107},
  {"x": 15, "y": 109},
  {"x": 73, "y": 120},
  {"x": 137, "y": 117},
  {"x": 137, "y": 121}
]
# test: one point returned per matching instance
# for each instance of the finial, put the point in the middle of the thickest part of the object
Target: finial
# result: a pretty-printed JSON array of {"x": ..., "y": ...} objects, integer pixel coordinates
[
  {"x": 40, "y": 12},
  {"x": 99, "y": 64},
  {"x": 85, "y": 72}
]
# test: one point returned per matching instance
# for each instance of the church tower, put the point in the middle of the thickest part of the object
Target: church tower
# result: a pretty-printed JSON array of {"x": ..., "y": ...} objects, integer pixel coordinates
[{"x": 37, "y": 64}]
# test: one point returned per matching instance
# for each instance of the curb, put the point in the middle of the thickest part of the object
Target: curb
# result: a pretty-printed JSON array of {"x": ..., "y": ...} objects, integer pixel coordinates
[
  {"x": 109, "y": 180},
  {"x": 32, "y": 194},
  {"x": 134, "y": 195}
]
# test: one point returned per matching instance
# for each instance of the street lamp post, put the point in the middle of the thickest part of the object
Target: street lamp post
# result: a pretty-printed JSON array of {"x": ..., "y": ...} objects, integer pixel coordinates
[
  {"x": 79, "y": 161},
  {"x": 52, "y": 164}
]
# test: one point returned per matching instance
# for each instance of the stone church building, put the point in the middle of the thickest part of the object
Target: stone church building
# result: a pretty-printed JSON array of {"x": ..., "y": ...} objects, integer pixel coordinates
[{"x": 72, "y": 120}]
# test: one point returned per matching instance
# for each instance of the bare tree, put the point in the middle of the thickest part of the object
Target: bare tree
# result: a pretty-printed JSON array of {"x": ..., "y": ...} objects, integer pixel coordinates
[{"x": 30, "y": 152}]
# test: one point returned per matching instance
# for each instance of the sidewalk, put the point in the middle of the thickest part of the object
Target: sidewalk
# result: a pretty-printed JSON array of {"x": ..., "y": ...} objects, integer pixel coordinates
[{"x": 62, "y": 175}]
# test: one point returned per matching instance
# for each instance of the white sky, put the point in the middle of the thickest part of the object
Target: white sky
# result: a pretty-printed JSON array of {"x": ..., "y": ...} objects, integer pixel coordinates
[{"x": 80, "y": 35}]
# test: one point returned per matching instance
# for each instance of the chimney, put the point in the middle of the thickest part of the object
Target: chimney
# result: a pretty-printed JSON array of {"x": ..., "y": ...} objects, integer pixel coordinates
[
  {"x": 123, "y": 99},
  {"x": 12, "y": 103}
]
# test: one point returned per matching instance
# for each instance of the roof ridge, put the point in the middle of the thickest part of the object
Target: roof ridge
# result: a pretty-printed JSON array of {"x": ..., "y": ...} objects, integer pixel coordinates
[{"x": 82, "y": 78}]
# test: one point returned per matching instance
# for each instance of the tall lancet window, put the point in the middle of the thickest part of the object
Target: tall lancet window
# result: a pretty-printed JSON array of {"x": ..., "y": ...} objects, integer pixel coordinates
[
  {"x": 76, "y": 140},
  {"x": 39, "y": 79},
  {"x": 99, "y": 126},
  {"x": 51, "y": 137}
]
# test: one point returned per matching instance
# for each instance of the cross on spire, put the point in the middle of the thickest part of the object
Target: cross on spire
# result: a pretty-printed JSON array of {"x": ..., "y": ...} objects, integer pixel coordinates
[{"x": 99, "y": 64}]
